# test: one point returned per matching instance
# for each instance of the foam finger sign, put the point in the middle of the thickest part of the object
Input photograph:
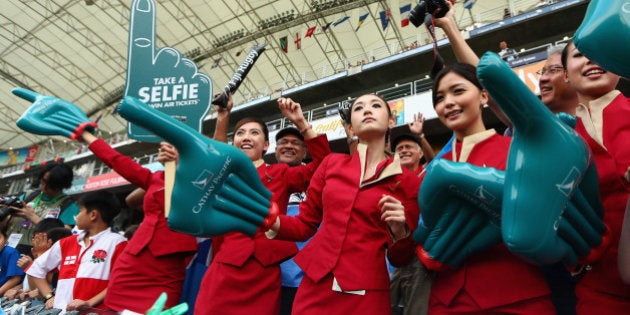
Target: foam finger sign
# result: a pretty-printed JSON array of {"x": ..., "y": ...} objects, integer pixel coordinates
[{"x": 162, "y": 78}]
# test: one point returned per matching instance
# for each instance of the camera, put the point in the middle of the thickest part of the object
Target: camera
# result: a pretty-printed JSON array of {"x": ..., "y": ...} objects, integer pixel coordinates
[
  {"x": 427, "y": 7},
  {"x": 9, "y": 201}
]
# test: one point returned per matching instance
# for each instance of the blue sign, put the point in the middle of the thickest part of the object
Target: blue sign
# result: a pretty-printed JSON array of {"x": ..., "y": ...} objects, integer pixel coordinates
[{"x": 162, "y": 78}]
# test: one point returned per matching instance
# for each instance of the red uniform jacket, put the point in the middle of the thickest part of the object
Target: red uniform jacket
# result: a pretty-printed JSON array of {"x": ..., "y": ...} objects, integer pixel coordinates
[
  {"x": 153, "y": 232},
  {"x": 282, "y": 181},
  {"x": 612, "y": 163},
  {"x": 495, "y": 276},
  {"x": 352, "y": 238}
]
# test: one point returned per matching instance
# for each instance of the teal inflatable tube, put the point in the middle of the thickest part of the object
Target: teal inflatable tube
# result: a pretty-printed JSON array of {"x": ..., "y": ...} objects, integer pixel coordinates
[
  {"x": 546, "y": 165},
  {"x": 461, "y": 210},
  {"x": 604, "y": 35},
  {"x": 217, "y": 188}
]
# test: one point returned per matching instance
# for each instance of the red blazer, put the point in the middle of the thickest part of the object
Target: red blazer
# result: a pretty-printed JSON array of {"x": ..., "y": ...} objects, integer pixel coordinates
[
  {"x": 495, "y": 276},
  {"x": 352, "y": 238},
  {"x": 153, "y": 231},
  {"x": 282, "y": 181},
  {"x": 612, "y": 163}
]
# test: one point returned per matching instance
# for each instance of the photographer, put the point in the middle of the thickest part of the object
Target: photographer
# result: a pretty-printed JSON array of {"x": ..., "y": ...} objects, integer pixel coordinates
[{"x": 49, "y": 202}]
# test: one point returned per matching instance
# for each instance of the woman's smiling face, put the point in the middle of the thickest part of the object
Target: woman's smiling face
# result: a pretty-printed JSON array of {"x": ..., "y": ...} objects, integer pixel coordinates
[
  {"x": 458, "y": 102},
  {"x": 250, "y": 138}
]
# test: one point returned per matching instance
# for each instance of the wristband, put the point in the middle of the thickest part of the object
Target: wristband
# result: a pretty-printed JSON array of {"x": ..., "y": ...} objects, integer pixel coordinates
[
  {"x": 49, "y": 296},
  {"x": 422, "y": 135}
]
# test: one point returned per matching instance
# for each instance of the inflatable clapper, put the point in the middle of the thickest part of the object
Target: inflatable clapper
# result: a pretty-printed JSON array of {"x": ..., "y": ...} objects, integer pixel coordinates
[
  {"x": 217, "y": 188},
  {"x": 604, "y": 35},
  {"x": 551, "y": 209},
  {"x": 52, "y": 116},
  {"x": 461, "y": 211}
]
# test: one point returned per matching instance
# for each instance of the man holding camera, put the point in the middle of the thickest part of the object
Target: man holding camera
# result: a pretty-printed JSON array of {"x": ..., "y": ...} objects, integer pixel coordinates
[{"x": 47, "y": 202}]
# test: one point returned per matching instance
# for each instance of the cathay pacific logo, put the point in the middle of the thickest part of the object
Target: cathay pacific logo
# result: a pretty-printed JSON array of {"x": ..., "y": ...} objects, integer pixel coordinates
[
  {"x": 203, "y": 179},
  {"x": 567, "y": 185},
  {"x": 484, "y": 195}
]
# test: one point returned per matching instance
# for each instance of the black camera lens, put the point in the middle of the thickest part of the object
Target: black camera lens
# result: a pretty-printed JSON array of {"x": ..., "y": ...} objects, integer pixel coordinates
[{"x": 9, "y": 201}]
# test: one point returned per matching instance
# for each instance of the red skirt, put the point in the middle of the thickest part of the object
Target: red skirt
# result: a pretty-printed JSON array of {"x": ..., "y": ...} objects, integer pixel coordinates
[
  {"x": 319, "y": 298},
  {"x": 465, "y": 304},
  {"x": 137, "y": 281},
  {"x": 231, "y": 290}
]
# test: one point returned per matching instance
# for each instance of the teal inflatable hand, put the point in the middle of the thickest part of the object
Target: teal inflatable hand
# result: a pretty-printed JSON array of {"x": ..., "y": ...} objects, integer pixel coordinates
[
  {"x": 551, "y": 209},
  {"x": 51, "y": 116},
  {"x": 162, "y": 78},
  {"x": 461, "y": 211},
  {"x": 603, "y": 35},
  {"x": 158, "y": 307},
  {"x": 217, "y": 188}
]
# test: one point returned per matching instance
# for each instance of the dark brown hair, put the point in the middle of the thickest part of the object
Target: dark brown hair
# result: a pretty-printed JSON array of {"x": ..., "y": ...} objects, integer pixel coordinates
[{"x": 464, "y": 70}]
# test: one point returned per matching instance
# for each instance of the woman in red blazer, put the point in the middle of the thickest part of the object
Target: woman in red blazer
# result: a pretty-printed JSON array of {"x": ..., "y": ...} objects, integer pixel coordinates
[
  {"x": 359, "y": 205},
  {"x": 154, "y": 261},
  {"x": 244, "y": 277},
  {"x": 604, "y": 122},
  {"x": 493, "y": 281}
]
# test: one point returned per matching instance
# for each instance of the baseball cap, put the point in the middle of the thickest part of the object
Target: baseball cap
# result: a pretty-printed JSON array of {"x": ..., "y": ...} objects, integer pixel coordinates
[{"x": 289, "y": 131}]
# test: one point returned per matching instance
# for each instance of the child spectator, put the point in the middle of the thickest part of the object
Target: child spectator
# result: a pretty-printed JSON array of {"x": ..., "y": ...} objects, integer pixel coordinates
[
  {"x": 84, "y": 260},
  {"x": 10, "y": 273},
  {"x": 40, "y": 245}
]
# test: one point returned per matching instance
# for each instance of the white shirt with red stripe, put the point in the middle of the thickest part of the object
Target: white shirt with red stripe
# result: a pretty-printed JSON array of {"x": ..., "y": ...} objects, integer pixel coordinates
[{"x": 83, "y": 270}]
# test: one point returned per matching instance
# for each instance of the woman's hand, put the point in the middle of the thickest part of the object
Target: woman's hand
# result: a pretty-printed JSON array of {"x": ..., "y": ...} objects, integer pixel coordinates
[
  {"x": 223, "y": 113},
  {"x": 448, "y": 18},
  {"x": 393, "y": 213},
  {"x": 167, "y": 153}
]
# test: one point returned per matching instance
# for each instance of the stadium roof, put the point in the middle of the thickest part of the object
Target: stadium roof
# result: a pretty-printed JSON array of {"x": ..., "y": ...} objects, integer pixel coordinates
[{"x": 77, "y": 50}]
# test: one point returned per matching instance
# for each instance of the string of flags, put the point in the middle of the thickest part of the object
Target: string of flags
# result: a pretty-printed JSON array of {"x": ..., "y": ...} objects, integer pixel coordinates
[{"x": 385, "y": 17}]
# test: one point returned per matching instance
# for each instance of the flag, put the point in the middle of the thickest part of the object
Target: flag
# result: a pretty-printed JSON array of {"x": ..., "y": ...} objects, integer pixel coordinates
[
  {"x": 361, "y": 20},
  {"x": 341, "y": 20},
  {"x": 468, "y": 4},
  {"x": 385, "y": 16},
  {"x": 297, "y": 41},
  {"x": 309, "y": 32},
  {"x": 283, "y": 44},
  {"x": 325, "y": 27},
  {"x": 404, "y": 15},
  {"x": 216, "y": 63}
]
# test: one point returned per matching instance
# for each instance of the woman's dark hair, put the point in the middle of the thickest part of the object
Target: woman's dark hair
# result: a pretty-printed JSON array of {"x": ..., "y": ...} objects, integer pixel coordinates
[
  {"x": 464, "y": 70},
  {"x": 104, "y": 202},
  {"x": 565, "y": 53},
  {"x": 254, "y": 120},
  {"x": 59, "y": 176}
]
